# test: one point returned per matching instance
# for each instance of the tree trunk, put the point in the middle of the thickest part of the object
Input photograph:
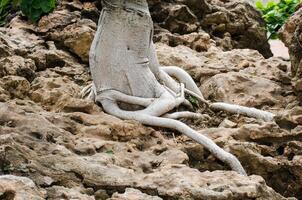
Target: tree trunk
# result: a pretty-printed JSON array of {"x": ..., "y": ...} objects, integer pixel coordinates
[{"x": 119, "y": 52}]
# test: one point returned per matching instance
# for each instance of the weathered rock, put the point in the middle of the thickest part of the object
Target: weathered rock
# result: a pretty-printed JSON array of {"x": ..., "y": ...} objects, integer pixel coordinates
[
  {"x": 133, "y": 194},
  {"x": 233, "y": 24},
  {"x": 77, "y": 37},
  {"x": 275, "y": 154},
  {"x": 58, "y": 192},
  {"x": 103, "y": 164},
  {"x": 18, "y": 87},
  {"x": 70, "y": 149},
  {"x": 200, "y": 41},
  {"x": 291, "y": 35},
  {"x": 57, "y": 19},
  {"x": 204, "y": 65},
  {"x": 273, "y": 68},
  {"x": 17, "y": 65},
  {"x": 19, "y": 188},
  {"x": 206, "y": 185},
  {"x": 242, "y": 89},
  {"x": 49, "y": 91}
]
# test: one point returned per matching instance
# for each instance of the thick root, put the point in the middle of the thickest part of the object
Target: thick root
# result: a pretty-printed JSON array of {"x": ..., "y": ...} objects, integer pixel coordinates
[
  {"x": 154, "y": 107},
  {"x": 183, "y": 77},
  {"x": 250, "y": 112},
  {"x": 185, "y": 114},
  {"x": 112, "y": 108}
]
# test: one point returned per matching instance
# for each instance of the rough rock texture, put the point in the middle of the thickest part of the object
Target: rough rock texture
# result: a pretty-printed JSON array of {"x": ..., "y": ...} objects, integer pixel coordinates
[
  {"x": 55, "y": 145},
  {"x": 232, "y": 24},
  {"x": 19, "y": 188},
  {"x": 133, "y": 194},
  {"x": 291, "y": 35}
]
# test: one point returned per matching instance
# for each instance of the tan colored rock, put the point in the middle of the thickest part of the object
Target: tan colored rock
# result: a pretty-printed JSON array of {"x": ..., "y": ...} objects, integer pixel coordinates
[
  {"x": 290, "y": 118},
  {"x": 232, "y": 24},
  {"x": 57, "y": 19},
  {"x": 291, "y": 35},
  {"x": 273, "y": 68},
  {"x": 206, "y": 185},
  {"x": 55, "y": 153},
  {"x": 70, "y": 104},
  {"x": 77, "y": 37},
  {"x": 49, "y": 91},
  {"x": 133, "y": 194},
  {"x": 200, "y": 41},
  {"x": 18, "y": 66},
  {"x": 242, "y": 89},
  {"x": 59, "y": 192},
  {"x": 17, "y": 86},
  {"x": 19, "y": 188},
  {"x": 70, "y": 149},
  {"x": 202, "y": 66},
  {"x": 227, "y": 124}
]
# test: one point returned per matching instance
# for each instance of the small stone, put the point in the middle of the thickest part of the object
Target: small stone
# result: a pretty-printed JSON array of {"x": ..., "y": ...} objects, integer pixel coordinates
[
  {"x": 243, "y": 64},
  {"x": 227, "y": 124},
  {"x": 101, "y": 195}
]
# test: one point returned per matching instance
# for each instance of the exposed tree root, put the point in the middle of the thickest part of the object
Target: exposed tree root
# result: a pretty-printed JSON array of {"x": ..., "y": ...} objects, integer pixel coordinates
[
  {"x": 185, "y": 114},
  {"x": 111, "y": 107},
  {"x": 183, "y": 77},
  {"x": 250, "y": 112},
  {"x": 130, "y": 83}
]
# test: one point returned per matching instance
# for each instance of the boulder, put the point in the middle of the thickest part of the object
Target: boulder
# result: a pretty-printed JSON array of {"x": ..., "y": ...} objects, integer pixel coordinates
[
  {"x": 291, "y": 35},
  {"x": 19, "y": 188}
]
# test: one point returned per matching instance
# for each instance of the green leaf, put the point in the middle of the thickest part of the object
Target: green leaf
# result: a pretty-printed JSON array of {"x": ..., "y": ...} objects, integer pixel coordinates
[
  {"x": 275, "y": 14},
  {"x": 34, "y": 9},
  {"x": 259, "y": 5}
]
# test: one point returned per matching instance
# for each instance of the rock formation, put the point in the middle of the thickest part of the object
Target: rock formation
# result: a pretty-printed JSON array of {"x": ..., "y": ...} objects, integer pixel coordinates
[
  {"x": 291, "y": 35},
  {"x": 53, "y": 144}
]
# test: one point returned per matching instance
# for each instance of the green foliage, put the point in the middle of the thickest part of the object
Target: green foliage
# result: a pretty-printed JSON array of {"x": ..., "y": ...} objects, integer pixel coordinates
[
  {"x": 276, "y": 14},
  {"x": 4, "y": 10},
  {"x": 33, "y": 9}
]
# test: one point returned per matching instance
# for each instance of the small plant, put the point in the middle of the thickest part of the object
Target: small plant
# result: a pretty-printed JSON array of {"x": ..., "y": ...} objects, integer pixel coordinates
[
  {"x": 33, "y": 9},
  {"x": 6, "y": 6},
  {"x": 275, "y": 14}
]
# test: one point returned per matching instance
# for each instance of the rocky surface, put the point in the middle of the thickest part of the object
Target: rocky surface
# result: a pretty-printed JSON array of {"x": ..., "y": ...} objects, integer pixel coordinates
[
  {"x": 55, "y": 145},
  {"x": 291, "y": 35},
  {"x": 232, "y": 24}
]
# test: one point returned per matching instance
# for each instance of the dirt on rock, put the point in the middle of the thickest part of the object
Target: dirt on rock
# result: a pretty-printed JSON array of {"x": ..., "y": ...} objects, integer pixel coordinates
[{"x": 55, "y": 145}]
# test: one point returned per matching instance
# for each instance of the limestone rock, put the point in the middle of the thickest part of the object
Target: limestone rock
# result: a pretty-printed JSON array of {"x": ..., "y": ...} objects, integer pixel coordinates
[
  {"x": 49, "y": 91},
  {"x": 69, "y": 148},
  {"x": 17, "y": 86},
  {"x": 200, "y": 41},
  {"x": 204, "y": 65},
  {"x": 77, "y": 37},
  {"x": 17, "y": 65},
  {"x": 242, "y": 89},
  {"x": 133, "y": 194},
  {"x": 232, "y": 24},
  {"x": 291, "y": 35},
  {"x": 59, "y": 18},
  {"x": 59, "y": 192},
  {"x": 19, "y": 188}
]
